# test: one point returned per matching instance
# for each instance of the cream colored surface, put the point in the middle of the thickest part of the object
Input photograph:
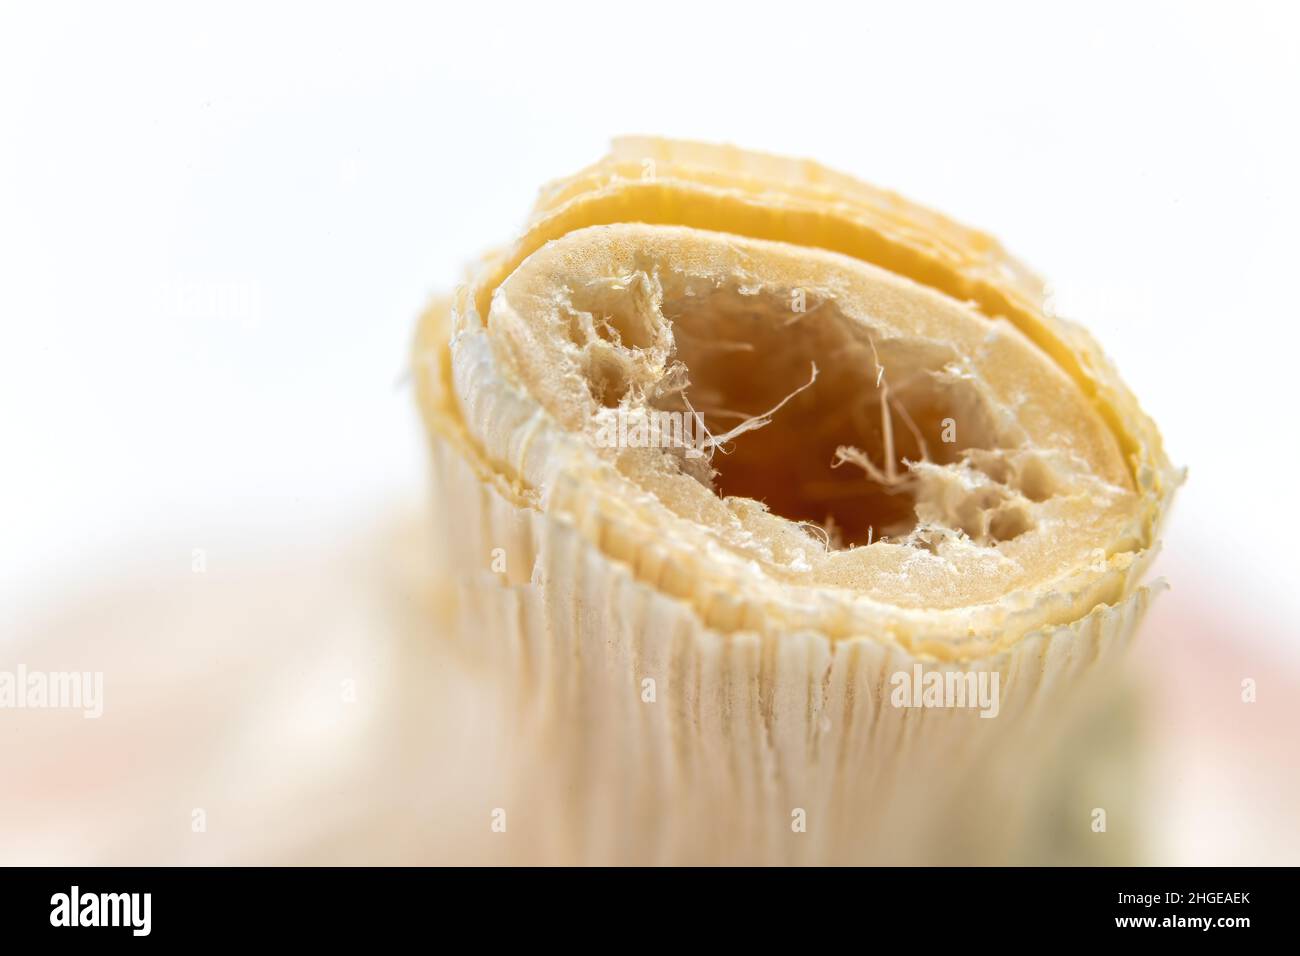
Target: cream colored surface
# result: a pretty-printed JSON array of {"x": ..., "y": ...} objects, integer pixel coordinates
[
  {"x": 224, "y": 692},
  {"x": 341, "y": 185},
  {"x": 770, "y": 648}
]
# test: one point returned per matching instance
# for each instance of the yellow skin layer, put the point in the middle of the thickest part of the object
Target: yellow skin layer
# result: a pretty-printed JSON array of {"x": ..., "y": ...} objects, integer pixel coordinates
[{"x": 658, "y": 223}]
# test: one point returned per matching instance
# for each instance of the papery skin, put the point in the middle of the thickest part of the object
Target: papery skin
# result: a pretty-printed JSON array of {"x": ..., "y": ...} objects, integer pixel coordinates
[{"x": 753, "y": 720}]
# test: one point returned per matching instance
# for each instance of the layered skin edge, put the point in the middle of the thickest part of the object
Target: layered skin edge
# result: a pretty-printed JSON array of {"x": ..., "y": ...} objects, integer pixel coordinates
[{"x": 798, "y": 202}]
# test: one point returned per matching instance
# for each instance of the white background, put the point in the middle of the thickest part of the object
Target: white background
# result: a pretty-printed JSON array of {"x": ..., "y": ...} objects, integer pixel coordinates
[
  {"x": 218, "y": 223},
  {"x": 321, "y": 170}
]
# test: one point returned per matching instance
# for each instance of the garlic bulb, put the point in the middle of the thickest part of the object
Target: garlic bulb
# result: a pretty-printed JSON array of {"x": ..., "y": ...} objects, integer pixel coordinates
[{"x": 797, "y": 525}]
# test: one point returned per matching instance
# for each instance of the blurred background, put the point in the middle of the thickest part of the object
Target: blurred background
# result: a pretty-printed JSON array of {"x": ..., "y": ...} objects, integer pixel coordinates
[{"x": 218, "y": 224}]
